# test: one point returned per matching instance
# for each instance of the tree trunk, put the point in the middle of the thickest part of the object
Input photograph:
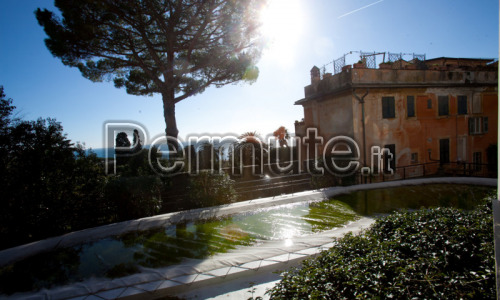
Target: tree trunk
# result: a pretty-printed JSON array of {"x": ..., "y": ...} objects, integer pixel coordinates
[{"x": 169, "y": 115}]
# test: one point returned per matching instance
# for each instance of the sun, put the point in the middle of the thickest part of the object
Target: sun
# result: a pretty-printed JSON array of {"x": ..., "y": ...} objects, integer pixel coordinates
[{"x": 282, "y": 27}]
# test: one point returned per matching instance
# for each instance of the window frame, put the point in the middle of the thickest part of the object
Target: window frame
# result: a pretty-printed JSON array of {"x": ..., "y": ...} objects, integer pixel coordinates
[
  {"x": 392, "y": 163},
  {"x": 477, "y": 104},
  {"x": 412, "y": 105},
  {"x": 443, "y": 106},
  {"x": 414, "y": 158},
  {"x": 462, "y": 105},
  {"x": 444, "y": 151},
  {"x": 478, "y": 125},
  {"x": 388, "y": 107}
]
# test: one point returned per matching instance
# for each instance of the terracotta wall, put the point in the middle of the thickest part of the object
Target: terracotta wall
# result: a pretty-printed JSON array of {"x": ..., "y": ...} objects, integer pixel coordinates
[{"x": 424, "y": 131}]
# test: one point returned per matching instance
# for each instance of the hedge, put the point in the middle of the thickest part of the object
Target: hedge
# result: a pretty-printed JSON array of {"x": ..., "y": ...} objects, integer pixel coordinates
[{"x": 426, "y": 254}]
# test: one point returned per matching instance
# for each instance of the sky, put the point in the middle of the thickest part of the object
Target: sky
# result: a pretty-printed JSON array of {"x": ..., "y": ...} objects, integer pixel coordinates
[{"x": 304, "y": 32}]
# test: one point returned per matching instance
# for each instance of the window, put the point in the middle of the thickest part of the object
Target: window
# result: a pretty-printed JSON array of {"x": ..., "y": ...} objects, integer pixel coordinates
[
  {"x": 410, "y": 106},
  {"x": 478, "y": 125},
  {"x": 390, "y": 164},
  {"x": 476, "y": 104},
  {"x": 388, "y": 107},
  {"x": 444, "y": 151},
  {"x": 414, "y": 158},
  {"x": 462, "y": 105},
  {"x": 443, "y": 106},
  {"x": 429, "y": 103},
  {"x": 462, "y": 148}
]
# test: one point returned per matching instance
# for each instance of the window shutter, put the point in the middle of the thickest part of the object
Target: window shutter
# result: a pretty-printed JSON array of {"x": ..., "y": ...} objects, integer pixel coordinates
[
  {"x": 462, "y": 105},
  {"x": 410, "y": 106},
  {"x": 388, "y": 107},
  {"x": 443, "y": 106}
]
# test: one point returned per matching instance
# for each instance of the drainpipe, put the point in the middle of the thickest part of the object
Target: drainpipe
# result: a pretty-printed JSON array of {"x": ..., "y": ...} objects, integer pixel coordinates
[{"x": 362, "y": 101}]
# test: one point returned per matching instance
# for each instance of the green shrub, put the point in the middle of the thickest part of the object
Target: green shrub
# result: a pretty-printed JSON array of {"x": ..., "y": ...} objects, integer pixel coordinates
[
  {"x": 135, "y": 197},
  {"x": 206, "y": 189},
  {"x": 433, "y": 253},
  {"x": 49, "y": 186}
]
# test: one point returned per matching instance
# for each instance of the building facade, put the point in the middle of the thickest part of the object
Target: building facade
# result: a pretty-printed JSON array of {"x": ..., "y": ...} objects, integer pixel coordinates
[{"x": 443, "y": 109}]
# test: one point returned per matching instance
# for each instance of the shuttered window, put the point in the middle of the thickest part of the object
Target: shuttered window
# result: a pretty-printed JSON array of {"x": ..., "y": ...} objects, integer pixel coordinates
[
  {"x": 462, "y": 105},
  {"x": 388, "y": 107},
  {"x": 478, "y": 125},
  {"x": 443, "y": 106},
  {"x": 444, "y": 150},
  {"x": 410, "y": 106}
]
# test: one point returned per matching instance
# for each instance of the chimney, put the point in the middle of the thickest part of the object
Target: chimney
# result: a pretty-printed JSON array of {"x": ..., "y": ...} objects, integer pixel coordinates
[{"x": 315, "y": 75}]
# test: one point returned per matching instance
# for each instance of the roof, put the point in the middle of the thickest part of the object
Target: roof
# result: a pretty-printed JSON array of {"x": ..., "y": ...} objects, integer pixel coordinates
[{"x": 485, "y": 60}]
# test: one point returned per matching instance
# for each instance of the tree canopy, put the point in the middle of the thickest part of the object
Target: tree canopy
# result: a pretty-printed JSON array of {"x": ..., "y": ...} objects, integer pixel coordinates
[{"x": 176, "y": 48}]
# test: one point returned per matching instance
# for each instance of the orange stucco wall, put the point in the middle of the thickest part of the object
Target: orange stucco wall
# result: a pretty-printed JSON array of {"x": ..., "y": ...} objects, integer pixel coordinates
[{"x": 422, "y": 133}]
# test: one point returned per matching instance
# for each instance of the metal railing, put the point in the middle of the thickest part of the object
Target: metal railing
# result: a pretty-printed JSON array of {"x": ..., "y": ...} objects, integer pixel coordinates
[
  {"x": 293, "y": 183},
  {"x": 432, "y": 169},
  {"x": 370, "y": 60}
]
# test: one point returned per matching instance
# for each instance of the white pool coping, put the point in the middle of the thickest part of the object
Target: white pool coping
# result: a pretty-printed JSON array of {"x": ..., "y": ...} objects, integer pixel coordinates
[{"x": 250, "y": 261}]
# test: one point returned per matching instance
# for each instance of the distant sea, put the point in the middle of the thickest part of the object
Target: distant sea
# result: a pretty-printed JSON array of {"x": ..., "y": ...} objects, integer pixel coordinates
[{"x": 101, "y": 152}]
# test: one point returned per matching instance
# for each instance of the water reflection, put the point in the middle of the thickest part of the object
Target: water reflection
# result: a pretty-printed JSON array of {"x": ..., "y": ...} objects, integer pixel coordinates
[
  {"x": 383, "y": 201},
  {"x": 40, "y": 271},
  {"x": 165, "y": 246}
]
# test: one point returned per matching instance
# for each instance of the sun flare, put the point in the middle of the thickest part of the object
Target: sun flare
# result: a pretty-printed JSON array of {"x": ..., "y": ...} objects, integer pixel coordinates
[{"x": 282, "y": 26}]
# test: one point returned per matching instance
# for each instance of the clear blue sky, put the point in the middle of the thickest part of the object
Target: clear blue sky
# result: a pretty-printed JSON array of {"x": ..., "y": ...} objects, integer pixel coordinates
[{"x": 314, "y": 32}]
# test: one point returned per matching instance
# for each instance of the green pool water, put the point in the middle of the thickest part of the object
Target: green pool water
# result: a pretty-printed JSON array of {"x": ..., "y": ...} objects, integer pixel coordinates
[
  {"x": 383, "y": 201},
  {"x": 118, "y": 256}
]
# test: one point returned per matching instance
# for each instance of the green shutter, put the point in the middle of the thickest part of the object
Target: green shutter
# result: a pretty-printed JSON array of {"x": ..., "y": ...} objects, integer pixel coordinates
[
  {"x": 410, "y": 106},
  {"x": 388, "y": 107},
  {"x": 443, "y": 106},
  {"x": 462, "y": 105}
]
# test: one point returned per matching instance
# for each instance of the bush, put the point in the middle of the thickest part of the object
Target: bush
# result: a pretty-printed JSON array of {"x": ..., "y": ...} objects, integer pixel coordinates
[
  {"x": 134, "y": 197},
  {"x": 49, "y": 186},
  {"x": 431, "y": 253},
  {"x": 206, "y": 189}
]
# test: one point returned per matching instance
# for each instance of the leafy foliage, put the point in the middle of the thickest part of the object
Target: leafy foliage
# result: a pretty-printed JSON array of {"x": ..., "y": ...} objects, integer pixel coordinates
[
  {"x": 49, "y": 186},
  {"x": 206, "y": 189},
  {"x": 135, "y": 197},
  {"x": 427, "y": 254},
  {"x": 175, "y": 48}
]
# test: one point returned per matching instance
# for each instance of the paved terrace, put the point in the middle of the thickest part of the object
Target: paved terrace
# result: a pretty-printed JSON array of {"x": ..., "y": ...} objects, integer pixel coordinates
[{"x": 226, "y": 275}]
